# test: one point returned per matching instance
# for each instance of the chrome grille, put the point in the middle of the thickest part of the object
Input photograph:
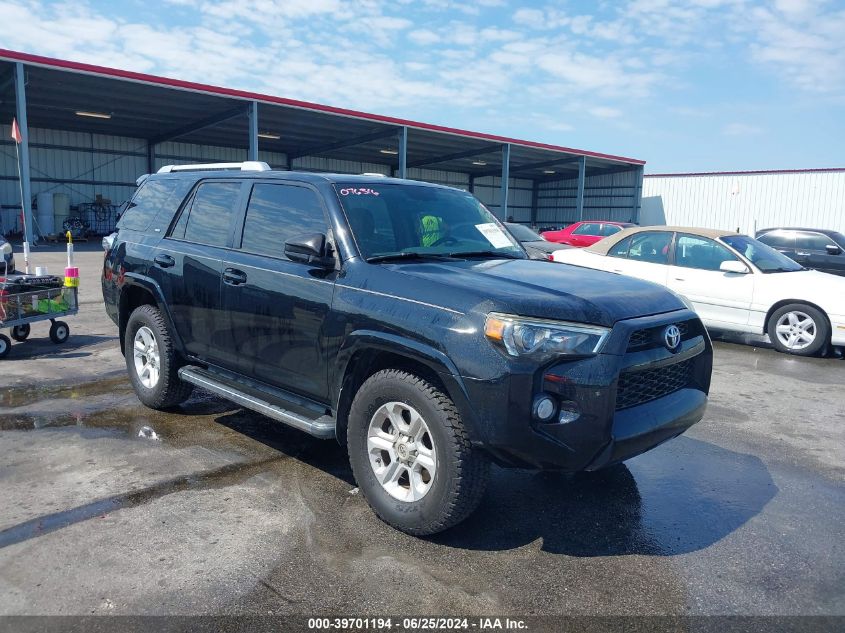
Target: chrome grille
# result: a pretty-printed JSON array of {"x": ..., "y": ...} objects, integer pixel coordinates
[{"x": 638, "y": 387}]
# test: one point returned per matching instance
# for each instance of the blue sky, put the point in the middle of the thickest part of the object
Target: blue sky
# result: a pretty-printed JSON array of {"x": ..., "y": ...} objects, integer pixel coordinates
[{"x": 687, "y": 85}]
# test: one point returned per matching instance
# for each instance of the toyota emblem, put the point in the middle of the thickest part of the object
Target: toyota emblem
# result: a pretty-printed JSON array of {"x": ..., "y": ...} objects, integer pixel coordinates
[{"x": 672, "y": 337}]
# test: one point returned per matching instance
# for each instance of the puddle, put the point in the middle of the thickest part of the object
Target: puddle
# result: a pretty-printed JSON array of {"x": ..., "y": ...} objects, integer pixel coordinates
[
  {"x": 228, "y": 475},
  {"x": 13, "y": 397}
]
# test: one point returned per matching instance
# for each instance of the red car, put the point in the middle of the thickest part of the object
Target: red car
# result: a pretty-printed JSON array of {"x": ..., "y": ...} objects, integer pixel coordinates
[{"x": 585, "y": 233}]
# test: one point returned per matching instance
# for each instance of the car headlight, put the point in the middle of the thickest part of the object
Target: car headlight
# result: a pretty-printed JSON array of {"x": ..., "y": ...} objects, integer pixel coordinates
[{"x": 541, "y": 338}]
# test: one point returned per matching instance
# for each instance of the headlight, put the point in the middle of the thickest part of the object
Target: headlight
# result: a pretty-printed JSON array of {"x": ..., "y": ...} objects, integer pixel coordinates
[{"x": 541, "y": 338}]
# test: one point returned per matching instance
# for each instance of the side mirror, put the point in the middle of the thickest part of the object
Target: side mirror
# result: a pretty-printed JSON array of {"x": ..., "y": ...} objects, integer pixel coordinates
[
  {"x": 309, "y": 249},
  {"x": 833, "y": 250},
  {"x": 734, "y": 266}
]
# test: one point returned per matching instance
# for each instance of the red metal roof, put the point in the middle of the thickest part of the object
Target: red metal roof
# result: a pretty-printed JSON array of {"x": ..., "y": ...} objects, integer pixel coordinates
[
  {"x": 91, "y": 69},
  {"x": 748, "y": 173}
]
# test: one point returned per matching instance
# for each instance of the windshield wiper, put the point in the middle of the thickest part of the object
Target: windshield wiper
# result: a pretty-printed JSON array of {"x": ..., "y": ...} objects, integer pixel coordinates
[
  {"x": 485, "y": 254},
  {"x": 398, "y": 256}
]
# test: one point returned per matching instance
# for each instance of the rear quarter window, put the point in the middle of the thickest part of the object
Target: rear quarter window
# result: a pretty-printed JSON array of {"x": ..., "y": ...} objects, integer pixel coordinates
[{"x": 154, "y": 204}]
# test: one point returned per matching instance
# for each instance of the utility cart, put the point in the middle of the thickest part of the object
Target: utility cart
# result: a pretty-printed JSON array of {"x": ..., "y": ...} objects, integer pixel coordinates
[{"x": 21, "y": 306}]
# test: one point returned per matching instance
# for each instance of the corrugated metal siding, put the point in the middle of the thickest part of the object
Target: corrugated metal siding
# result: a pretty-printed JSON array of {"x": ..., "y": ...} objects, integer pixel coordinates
[
  {"x": 746, "y": 201},
  {"x": 606, "y": 197},
  {"x": 489, "y": 191}
]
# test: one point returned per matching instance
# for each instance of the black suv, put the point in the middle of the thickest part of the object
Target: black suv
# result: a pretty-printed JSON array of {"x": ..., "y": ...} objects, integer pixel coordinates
[
  {"x": 819, "y": 249},
  {"x": 401, "y": 318}
]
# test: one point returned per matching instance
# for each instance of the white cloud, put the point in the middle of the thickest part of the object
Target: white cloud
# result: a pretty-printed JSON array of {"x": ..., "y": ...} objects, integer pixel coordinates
[
  {"x": 741, "y": 129},
  {"x": 605, "y": 112}
]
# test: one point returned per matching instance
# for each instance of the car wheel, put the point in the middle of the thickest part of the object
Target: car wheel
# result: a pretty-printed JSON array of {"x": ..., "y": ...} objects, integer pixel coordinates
[
  {"x": 411, "y": 455},
  {"x": 5, "y": 345},
  {"x": 799, "y": 329},
  {"x": 21, "y": 332},
  {"x": 151, "y": 360},
  {"x": 59, "y": 332}
]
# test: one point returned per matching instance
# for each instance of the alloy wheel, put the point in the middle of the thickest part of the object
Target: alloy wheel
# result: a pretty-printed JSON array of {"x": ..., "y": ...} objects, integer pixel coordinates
[
  {"x": 796, "y": 330},
  {"x": 147, "y": 357},
  {"x": 401, "y": 451}
]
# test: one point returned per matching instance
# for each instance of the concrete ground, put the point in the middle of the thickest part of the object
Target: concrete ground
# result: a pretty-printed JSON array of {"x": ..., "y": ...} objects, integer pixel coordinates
[{"x": 222, "y": 511}]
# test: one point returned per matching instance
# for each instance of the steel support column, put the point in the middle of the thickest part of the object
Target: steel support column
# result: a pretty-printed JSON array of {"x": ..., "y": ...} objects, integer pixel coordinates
[
  {"x": 582, "y": 176},
  {"x": 638, "y": 195},
  {"x": 253, "y": 130},
  {"x": 403, "y": 152},
  {"x": 535, "y": 197},
  {"x": 151, "y": 157},
  {"x": 506, "y": 174},
  {"x": 472, "y": 185},
  {"x": 20, "y": 114}
]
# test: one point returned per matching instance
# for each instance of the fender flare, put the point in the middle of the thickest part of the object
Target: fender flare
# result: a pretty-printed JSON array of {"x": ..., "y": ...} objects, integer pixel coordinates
[
  {"x": 151, "y": 286},
  {"x": 434, "y": 359}
]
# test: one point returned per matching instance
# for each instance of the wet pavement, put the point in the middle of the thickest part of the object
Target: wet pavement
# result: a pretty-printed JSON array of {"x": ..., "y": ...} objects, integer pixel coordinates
[{"x": 108, "y": 507}]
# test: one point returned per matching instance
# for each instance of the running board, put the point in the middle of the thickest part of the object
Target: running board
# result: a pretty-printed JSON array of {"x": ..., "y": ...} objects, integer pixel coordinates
[{"x": 322, "y": 426}]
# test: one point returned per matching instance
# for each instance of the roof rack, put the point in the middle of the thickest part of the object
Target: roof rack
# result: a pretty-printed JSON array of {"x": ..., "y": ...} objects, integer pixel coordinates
[{"x": 249, "y": 165}]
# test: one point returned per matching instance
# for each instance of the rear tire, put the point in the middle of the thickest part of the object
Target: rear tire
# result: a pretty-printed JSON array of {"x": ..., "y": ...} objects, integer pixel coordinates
[
  {"x": 59, "y": 332},
  {"x": 406, "y": 432},
  {"x": 151, "y": 360},
  {"x": 21, "y": 332},
  {"x": 799, "y": 329}
]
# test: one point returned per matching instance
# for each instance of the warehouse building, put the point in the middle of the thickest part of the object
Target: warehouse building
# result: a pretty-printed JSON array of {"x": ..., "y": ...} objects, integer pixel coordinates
[
  {"x": 747, "y": 201},
  {"x": 90, "y": 131}
]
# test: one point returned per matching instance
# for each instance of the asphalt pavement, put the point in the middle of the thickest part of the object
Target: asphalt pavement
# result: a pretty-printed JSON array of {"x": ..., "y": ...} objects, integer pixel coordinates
[{"x": 110, "y": 508}]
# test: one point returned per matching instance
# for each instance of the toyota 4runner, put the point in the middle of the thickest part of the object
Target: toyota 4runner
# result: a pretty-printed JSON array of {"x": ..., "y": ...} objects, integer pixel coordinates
[{"x": 400, "y": 318}]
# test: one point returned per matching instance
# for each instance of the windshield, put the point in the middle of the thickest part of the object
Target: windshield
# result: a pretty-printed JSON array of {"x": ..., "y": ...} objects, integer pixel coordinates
[
  {"x": 399, "y": 220},
  {"x": 523, "y": 233},
  {"x": 767, "y": 259}
]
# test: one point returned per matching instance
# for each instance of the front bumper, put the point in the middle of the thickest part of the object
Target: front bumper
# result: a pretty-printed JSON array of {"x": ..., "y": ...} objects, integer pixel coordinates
[
  {"x": 628, "y": 401},
  {"x": 837, "y": 326}
]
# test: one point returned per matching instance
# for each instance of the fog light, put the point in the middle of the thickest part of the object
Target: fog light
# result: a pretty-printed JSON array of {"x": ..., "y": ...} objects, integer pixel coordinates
[
  {"x": 568, "y": 413},
  {"x": 544, "y": 408}
]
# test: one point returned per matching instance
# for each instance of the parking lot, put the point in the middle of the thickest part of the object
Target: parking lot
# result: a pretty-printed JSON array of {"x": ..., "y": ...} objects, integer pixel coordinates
[{"x": 108, "y": 507}]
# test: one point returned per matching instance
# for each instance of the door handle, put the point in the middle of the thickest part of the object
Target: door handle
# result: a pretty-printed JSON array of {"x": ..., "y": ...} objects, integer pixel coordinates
[
  {"x": 234, "y": 277},
  {"x": 800, "y": 254},
  {"x": 164, "y": 260},
  {"x": 680, "y": 279}
]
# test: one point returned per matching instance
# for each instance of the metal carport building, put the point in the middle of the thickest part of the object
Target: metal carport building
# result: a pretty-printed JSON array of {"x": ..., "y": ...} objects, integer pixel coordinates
[{"x": 90, "y": 130}]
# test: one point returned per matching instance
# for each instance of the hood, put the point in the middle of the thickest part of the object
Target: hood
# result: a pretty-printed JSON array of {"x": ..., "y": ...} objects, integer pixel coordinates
[{"x": 544, "y": 289}]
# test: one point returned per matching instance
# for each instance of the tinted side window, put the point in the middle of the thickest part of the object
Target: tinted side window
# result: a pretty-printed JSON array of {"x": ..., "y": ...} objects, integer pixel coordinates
[
  {"x": 621, "y": 249},
  {"x": 154, "y": 204},
  {"x": 589, "y": 228},
  {"x": 812, "y": 241},
  {"x": 692, "y": 251},
  {"x": 651, "y": 246},
  {"x": 609, "y": 229},
  {"x": 778, "y": 239},
  {"x": 277, "y": 213},
  {"x": 209, "y": 219}
]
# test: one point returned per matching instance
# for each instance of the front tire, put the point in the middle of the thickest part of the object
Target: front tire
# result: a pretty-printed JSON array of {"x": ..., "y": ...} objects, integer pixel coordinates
[
  {"x": 411, "y": 455},
  {"x": 799, "y": 329},
  {"x": 59, "y": 332},
  {"x": 5, "y": 346},
  {"x": 151, "y": 360}
]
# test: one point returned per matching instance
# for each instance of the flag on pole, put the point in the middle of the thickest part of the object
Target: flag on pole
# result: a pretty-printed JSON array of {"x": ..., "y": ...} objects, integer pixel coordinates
[{"x": 16, "y": 131}]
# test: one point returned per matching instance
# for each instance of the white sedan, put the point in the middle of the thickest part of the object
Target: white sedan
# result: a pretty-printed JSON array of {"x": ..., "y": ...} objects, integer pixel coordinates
[{"x": 733, "y": 281}]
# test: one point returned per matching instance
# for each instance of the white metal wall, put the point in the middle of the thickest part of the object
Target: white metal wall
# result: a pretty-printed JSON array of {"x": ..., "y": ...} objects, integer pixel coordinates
[{"x": 746, "y": 201}]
